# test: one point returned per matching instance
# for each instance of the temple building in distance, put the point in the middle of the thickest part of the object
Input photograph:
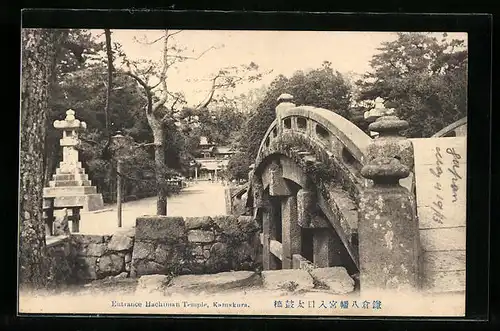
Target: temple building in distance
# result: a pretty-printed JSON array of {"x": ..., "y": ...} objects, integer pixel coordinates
[{"x": 211, "y": 159}]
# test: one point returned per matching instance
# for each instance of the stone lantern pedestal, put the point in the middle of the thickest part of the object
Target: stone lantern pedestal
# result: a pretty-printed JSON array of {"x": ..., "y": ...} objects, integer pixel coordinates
[{"x": 70, "y": 185}]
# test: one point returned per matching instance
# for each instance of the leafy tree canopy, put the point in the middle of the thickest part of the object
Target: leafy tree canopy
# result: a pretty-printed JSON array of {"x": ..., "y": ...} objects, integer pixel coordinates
[{"x": 423, "y": 78}]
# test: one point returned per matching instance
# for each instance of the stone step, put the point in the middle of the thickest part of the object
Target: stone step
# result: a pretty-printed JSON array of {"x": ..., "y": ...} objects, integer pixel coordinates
[
  {"x": 310, "y": 159},
  {"x": 208, "y": 283},
  {"x": 287, "y": 280},
  {"x": 64, "y": 183},
  {"x": 347, "y": 207},
  {"x": 335, "y": 279},
  {"x": 213, "y": 283},
  {"x": 61, "y": 177},
  {"x": 78, "y": 170},
  {"x": 90, "y": 202},
  {"x": 68, "y": 191}
]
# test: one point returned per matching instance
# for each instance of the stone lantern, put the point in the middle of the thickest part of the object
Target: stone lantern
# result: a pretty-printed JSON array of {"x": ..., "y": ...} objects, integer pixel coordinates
[
  {"x": 70, "y": 127},
  {"x": 70, "y": 184}
]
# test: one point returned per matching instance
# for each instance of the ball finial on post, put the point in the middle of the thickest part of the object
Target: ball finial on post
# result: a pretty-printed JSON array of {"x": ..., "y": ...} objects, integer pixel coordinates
[
  {"x": 284, "y": 102},
  {"x": 70, "y": 115},
  {"x": 377, "y": 112},
  {"x": 285, "y": 97},
  {"x": 383, "y": 120},
  {"x": 385, "y": 170},
  {"x": 389, "y": 142}
]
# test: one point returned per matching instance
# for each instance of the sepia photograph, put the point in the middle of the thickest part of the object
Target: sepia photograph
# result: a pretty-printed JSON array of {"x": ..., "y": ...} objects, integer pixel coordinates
[{"x": 242, "y": 172}]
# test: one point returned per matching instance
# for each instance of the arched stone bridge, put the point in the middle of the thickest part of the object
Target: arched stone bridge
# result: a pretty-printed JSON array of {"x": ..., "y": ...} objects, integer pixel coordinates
[{"x": 327, "y": 194}]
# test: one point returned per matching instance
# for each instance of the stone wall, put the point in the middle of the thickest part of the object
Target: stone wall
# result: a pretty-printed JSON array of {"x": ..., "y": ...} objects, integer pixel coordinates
[
  {"x": 195, "y": 245},
  {"x": 100, "y": 256}
]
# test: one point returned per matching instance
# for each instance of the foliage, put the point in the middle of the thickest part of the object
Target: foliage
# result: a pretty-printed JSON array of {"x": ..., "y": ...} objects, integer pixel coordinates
[
  {"x": 79, "y": 50},
  {"x": 423, "y": 78},
  {"x": 82, "y": 87},
  {"x": 237, "y": 167},
  {"x": 220, "y": 124},
  {"x": 322, "y": 87},
  {"x": 84, "y": 92}
]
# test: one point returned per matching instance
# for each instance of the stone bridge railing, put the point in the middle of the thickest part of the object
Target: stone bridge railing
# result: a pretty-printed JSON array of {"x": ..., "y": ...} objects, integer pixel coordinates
[
  {"x": 329, "y": 130},
  {"x": 317, "y": 171},
  {"x": 455, "y": 129}
]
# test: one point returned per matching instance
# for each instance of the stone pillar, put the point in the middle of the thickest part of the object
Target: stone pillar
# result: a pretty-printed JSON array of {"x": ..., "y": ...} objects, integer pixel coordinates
[
  {"x": 326, "y": 245},
  {"x": 228, "y": 199},
  {"x": 284, "y": 102},
  {"x": 290, "y": 237},
  {"x": 305, "y": 201},
  {"x": 258, "y": 193},
  {"x": 269, "y": 261},
  {"x": 278, "y": 186},
  {"x": 323, "y": 249},
  {"x": 388, "y": 229}
]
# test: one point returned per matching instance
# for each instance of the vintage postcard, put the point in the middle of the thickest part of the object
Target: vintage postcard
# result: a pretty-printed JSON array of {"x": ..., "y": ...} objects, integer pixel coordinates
[{"x": 206, "y": 172}]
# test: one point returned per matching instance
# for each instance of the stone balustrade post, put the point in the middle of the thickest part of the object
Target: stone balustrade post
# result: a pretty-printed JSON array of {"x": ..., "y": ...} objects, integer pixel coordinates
[
  {"x": 251, "y": 169},
  {"x": 284, "y": 102},
  {"x": 257, "y": 192},
  {"x": 388, "y": 228},
  {"x": 389, "y": 142}
]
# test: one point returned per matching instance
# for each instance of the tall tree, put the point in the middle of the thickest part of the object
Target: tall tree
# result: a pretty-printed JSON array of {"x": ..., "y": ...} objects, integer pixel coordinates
[
  {"x": 156, "y": 118},
  {"x": 39, "y": 53},
  {"x": 159, "y": 115},
  {"x": 423, "y": 78},
  {"x": 109, "y": 85}
]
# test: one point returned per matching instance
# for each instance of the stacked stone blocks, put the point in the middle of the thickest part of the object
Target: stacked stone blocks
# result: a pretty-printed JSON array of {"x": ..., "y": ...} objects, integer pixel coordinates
[{"x": 194, "y": 245}]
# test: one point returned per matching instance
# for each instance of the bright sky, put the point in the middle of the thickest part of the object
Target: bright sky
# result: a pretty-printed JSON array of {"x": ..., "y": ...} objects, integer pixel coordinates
[{"x": 282, "y": 51}]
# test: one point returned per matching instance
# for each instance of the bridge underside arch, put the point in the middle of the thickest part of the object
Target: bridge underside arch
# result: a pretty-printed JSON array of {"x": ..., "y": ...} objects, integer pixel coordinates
[{"x": 309, "y": 211}]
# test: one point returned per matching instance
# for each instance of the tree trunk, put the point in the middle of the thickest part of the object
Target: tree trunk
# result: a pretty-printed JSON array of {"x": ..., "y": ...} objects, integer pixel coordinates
[
  {"x": 109, "y": 87},
  {"x": 49, "y": 161},
  {"x": 161, "y": 203},
  {"x": 38, "y": 65},
  {"x": 160, "y": 166}
]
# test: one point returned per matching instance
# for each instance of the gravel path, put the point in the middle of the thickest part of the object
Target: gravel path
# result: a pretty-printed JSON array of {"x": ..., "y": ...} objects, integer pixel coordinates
[{"x": 199, "y": 199}]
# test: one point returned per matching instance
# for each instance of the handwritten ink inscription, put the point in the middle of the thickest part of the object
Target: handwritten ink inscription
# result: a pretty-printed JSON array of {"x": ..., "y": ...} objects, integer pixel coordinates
[
  {"x": 440, "y": 181},
  {"x": 437, "y": 171},
  {"x": 453, "y": 170}
]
